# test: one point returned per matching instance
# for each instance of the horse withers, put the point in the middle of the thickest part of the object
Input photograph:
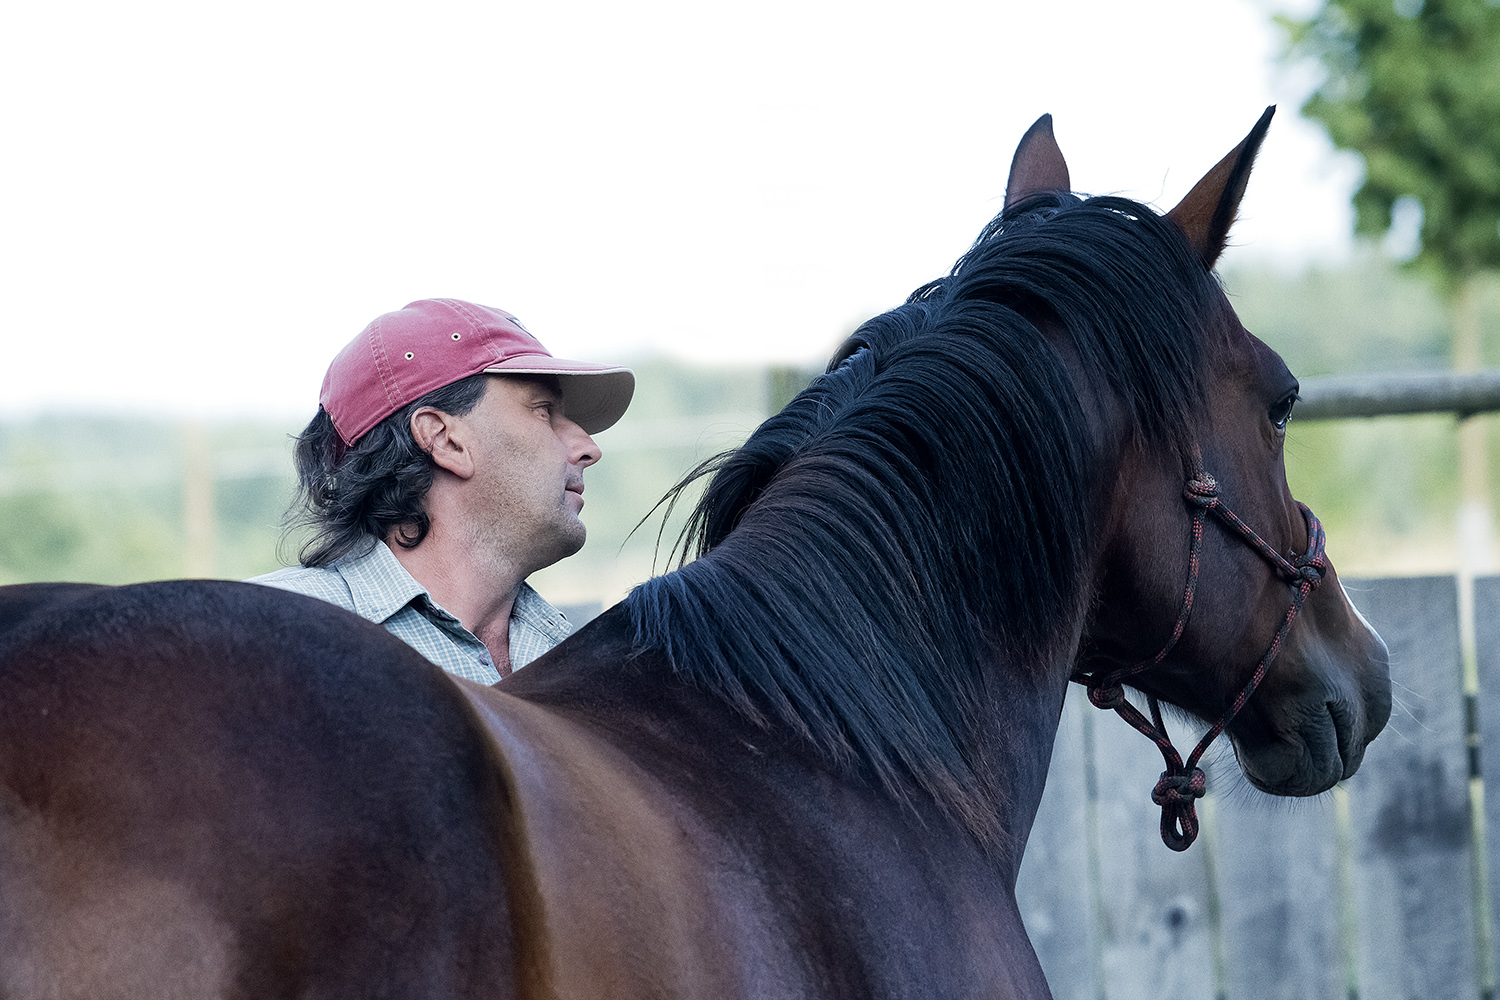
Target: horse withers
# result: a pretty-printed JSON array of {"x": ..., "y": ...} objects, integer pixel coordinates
[{"x": 803, "y": 764}]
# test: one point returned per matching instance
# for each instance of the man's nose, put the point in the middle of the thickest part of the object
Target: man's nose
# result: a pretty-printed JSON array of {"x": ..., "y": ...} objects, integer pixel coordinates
[{"x": 583, "y": 450}]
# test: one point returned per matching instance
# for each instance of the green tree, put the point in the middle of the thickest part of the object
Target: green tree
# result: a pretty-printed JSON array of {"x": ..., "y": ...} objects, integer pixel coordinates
[{"x": 1414, "y": 89}]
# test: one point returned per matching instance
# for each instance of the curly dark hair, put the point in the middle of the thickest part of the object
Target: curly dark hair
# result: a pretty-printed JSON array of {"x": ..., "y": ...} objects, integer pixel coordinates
[{"x": 348, "y": 495}]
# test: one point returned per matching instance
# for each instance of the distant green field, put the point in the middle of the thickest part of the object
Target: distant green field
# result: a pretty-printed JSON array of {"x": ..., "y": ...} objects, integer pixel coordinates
[{"x": 114, "y": 499}]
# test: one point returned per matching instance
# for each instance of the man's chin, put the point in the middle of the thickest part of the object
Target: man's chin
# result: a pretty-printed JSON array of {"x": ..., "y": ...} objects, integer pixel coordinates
[{"x": 570, "y": 539}]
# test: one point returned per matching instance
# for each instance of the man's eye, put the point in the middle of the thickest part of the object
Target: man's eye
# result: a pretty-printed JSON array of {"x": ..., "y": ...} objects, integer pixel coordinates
[{"x": 1281, "y": 411}]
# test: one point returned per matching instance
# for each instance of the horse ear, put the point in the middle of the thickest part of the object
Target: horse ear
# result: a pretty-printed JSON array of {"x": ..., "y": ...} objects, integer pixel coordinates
[
  {"x": 1209, "y": 209},
  {"x": 1038, "y": 165}
]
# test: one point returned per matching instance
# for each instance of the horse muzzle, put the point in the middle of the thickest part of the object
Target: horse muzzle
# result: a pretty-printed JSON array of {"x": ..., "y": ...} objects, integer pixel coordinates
[{"x": 1308, "y": 728}]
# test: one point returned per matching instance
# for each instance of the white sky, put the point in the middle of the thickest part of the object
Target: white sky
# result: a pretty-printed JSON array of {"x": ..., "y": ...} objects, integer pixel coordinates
[{"x": 203, "y": 202}]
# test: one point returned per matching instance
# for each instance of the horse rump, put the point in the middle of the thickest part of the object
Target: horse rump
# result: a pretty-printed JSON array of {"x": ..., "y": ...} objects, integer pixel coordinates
[{"x": 219, "y": 789}]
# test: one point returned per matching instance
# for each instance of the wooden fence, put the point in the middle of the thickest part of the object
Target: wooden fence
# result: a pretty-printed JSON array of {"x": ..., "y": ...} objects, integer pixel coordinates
[{"x": 1365, "y": 892}]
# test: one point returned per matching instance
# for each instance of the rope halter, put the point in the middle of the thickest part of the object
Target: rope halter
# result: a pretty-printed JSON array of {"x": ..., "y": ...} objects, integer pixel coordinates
[{"x": 1183, "y": 783}]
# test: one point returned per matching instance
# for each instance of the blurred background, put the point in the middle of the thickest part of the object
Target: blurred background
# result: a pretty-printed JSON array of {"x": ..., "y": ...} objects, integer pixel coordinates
[{"x": 203, "y": 203}]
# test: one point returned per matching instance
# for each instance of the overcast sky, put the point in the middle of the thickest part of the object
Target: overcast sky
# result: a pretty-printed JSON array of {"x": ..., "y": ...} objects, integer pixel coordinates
[{"x": 203, "y": 202}]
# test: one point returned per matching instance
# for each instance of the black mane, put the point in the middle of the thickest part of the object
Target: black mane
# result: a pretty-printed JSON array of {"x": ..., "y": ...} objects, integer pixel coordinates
[{"x": 925, "y": 506}]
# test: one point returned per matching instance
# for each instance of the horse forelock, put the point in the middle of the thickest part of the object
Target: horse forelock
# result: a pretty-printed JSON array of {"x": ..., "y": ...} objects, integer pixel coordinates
[{"x": 923, "y": 509}]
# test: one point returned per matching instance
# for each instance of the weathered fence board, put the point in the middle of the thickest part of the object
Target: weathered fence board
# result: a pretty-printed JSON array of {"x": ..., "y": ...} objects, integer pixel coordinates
[
  {"x": 1487, "y": 636},
  {"x": 1410, "y": 805},
  {"x": 1280, "y": 899},
  {"x": 1153, "y": 902},
  {"x": 1278, "y": 878},
  {"x": 1056, "y": 890}
]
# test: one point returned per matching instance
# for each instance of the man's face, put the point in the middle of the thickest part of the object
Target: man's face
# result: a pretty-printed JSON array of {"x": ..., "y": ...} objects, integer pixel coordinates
[{"x": 529, "y": 462}]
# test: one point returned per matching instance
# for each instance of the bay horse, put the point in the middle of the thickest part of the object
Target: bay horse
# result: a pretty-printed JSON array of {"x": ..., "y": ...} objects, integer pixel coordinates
[{"x": 803, "y": 764}]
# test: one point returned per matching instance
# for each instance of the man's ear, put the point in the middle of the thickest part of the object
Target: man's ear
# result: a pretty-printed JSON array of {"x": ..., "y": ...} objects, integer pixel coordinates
[{"x": 442, "y": 436}]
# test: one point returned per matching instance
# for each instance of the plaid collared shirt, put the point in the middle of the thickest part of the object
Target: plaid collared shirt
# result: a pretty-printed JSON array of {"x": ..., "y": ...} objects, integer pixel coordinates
[{"x": 377, "y": 587}]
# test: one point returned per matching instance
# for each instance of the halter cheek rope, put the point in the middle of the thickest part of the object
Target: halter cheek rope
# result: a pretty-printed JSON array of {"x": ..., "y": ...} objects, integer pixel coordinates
[{"x": 1181, "y": 784}]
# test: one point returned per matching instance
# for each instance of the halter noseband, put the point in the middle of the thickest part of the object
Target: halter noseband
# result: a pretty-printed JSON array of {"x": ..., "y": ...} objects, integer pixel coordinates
[{"x": 1182, "y": 783}]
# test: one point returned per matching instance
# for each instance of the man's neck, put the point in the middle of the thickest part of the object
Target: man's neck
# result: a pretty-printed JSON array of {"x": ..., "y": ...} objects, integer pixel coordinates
[{"x": 479, "y": 591}]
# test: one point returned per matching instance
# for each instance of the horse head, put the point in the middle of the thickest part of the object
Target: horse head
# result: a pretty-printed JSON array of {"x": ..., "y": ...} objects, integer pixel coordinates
[
  {"x": 1076, "y": 370},
  {"x": 1213, "y": 592}
]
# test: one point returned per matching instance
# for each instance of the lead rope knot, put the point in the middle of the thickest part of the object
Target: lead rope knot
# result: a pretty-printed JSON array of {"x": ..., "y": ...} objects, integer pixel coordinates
[
  {"x": 1177, "y": 795},
  {"x": 1202, "y": 491},
  {"x": 1180, "y": 789},
  {"x": 1111, "y": 697}
]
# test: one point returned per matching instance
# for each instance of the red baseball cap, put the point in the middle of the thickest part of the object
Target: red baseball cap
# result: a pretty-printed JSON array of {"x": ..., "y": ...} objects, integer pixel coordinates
[{"x": 406, "y": 354}]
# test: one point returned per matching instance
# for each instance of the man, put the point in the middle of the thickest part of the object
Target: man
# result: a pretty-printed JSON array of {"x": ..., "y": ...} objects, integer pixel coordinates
[{"x": 444, "y": 466}]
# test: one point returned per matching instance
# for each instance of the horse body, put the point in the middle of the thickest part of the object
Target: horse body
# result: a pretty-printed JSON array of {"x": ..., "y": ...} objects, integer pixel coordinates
[
  {"x": 804, "y": 764},
  {"x": 368, "y": 827}
]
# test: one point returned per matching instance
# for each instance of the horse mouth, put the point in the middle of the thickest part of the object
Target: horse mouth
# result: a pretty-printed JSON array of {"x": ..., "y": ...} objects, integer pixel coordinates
[
  {"x": 1324, "y": 745},
  {"x": 1307, "y": 761}
]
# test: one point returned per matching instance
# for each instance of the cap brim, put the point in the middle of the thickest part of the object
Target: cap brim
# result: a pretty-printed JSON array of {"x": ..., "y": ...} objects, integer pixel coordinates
[{"x": 594, "y": 396}]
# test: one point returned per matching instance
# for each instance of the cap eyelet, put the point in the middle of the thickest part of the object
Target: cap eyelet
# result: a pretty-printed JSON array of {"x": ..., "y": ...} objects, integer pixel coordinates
[
  {"x": 409, "y": 355},
  {"x": 456, "y": 336}
]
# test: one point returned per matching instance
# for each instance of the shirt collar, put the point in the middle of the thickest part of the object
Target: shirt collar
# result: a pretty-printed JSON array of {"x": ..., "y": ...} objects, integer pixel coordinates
[
  {"x": 379, "y": 585},
  {"x": 536, "y": 611}
]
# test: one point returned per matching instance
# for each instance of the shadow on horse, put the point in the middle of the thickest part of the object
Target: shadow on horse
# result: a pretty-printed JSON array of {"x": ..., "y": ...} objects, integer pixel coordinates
[{"x": 803, "y": 764}]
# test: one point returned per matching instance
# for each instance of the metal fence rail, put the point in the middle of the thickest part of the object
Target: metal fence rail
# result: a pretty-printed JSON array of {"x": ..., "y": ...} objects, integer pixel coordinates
[{"x": 1334, "y": 397}]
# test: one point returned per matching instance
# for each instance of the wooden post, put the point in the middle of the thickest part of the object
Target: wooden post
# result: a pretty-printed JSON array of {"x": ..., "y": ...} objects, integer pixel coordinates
[{"x": 1476, "y": 548}]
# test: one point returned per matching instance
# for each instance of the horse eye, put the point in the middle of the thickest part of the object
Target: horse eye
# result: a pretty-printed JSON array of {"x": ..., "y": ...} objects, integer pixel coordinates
[{"x": 1281, "y": 411}]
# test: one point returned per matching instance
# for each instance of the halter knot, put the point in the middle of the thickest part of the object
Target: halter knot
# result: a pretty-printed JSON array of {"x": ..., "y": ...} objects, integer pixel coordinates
[
  {"x": 1179, "y": 789},
  {"x": 1110, "y": 697},
  {"x": 1312, "y": 573},
  {"x": 1203, "y": 491}
]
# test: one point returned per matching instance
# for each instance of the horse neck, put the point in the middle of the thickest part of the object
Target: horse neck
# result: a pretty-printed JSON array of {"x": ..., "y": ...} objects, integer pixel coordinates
[
  {"x": 1025, "y": 707},
  {"x": 1028, "y": 699},
  {"x": 887, "y": 648}
]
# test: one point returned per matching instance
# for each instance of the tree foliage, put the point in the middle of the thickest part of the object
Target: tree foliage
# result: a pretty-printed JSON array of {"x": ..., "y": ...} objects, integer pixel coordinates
[{"x": 1414, "y": 88}]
